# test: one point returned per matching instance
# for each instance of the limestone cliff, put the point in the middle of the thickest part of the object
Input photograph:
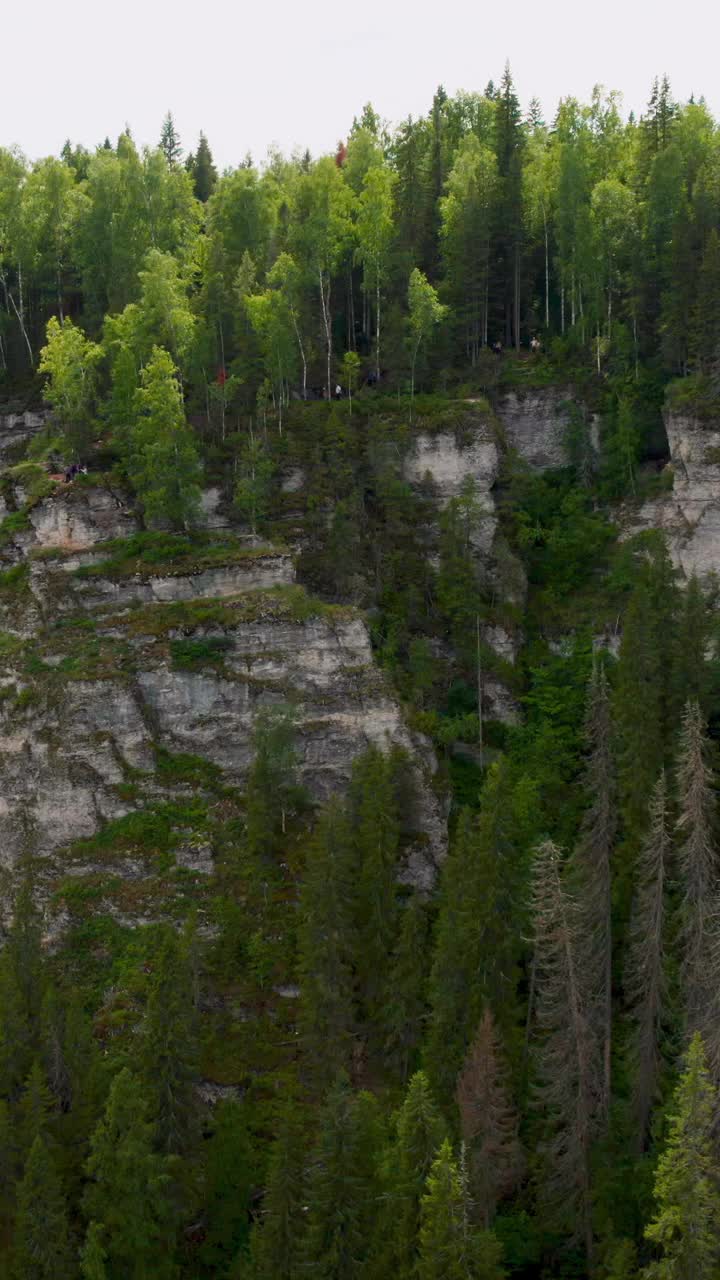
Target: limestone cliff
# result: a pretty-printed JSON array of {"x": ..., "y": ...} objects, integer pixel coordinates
[{"x": 688, "y": 511}]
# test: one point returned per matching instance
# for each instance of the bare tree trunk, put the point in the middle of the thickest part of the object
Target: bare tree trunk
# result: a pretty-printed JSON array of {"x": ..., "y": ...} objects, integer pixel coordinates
[{"x": 327, "y": 324}]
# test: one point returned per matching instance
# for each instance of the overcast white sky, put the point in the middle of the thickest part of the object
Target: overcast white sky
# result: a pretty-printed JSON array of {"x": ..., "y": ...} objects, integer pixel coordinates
[{"x": 295, "y": 73}]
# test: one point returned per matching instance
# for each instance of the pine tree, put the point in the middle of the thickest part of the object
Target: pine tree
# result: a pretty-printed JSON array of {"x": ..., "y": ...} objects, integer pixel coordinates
[
  {"x": 42, "y": 1244},
  {"x": 34, "y": 1111},
  {"x": 646, "y": 962},
  {"x": 325, "y": 946},
  {"x": 488, "y": 1122},
  {"x": 21, "y": 991},
  {"x": 342, "y": 1185},
  {"x": 698, "y": 860},
  {"x": 170, "y": 141},
  {"x": 419, "y": 1132},
  {"x": 449, "y": 1247},
  {"x": 591, "y": 880},
  {"x": 127, "y": 1193},
  {"x": 686, "y": 1226},
  {"x": 564, "y": 1052}
]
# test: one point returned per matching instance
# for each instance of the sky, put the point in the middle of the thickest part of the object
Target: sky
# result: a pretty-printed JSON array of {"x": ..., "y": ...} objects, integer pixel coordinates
[{"x": 295, "y": 73}]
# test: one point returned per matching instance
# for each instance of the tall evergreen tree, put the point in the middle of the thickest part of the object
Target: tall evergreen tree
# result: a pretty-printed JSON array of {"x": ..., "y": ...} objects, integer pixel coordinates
[
  {"x": 276, "y": 1246},
  {"x": 564, "y": 1052},
  {"x": 591, "y": 878},
  {"x": 127, "y": 1193},
  {"x": 698, "y": 860},
  {"x": 168, "y": 1050},
  {"x": 686, "y": 1226},
  {"x": 489, "y": 1123},
  {"x": 42, "y": 1248},
  {"x": 325, "y": 943},
  {"x": 418, "y": 1132},
  {"x": 342, "y": 1185},
  {"x": 202, "y": 170},
  {"x": 647, "y": 959},
  {"x": 170, "y": 141},
  {"x": 450, "y": 1248}
]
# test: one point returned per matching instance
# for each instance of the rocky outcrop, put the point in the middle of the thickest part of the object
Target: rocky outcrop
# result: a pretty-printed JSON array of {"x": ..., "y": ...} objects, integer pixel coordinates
[
  {"x": 17, "y": 428},
  {"x": 106, "y": 683},
  {"x": 535, "y": 425},
  {"x": 688, "y": 511}
]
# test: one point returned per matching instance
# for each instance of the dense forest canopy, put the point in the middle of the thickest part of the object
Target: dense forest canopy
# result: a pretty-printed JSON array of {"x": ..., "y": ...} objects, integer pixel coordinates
[{"x": 516, "y": 1071}]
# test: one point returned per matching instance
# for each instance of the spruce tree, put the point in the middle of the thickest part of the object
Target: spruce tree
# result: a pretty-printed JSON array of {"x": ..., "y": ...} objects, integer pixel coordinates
[
  {"x": 647, "y": 960},
  {"x": 342, "y": 1185},
  {"x": 228, "y": 1182},
  {"x": 489, "y": 1123},
  {"x": 170, "y": 141},
  {"x": 406, "y": 1003},
  {"x": 449, "y": 1247},
  {"x": 276, "y": 1245},
  {"x": 690, "y": 667},
  {"x": 591, "y": 879},
  {"x": 686, "y": 1226},
  {"x": 325, "y": 945},
  {"x": 127, "y": 1195},
  {"x": 564, "y": 1053},
  {"x": 698, "y": 860},
  {"x": 375, "y": 837},
  {"x": 92, "y": 1257},
  {"x": 418, "y": 1132},
  {"x": 42, "y": 1249},
  {"x": 202, "y": 170},
  {"x": 168, "y": 1048}
]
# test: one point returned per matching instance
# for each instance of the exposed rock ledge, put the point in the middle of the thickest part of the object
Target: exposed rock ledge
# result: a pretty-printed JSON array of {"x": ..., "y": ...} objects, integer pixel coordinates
[{"x": 689, "y": 513}]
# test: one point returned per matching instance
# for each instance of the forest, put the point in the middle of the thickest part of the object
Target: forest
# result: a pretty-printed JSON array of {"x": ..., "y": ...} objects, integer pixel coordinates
[{"x": 513, "y": 1071}]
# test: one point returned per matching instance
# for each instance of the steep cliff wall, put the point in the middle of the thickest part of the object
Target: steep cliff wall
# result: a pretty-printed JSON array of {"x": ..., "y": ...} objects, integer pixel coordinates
[
  {"x": 104, "y": 664},
  {"x": 689, "y": 511}
]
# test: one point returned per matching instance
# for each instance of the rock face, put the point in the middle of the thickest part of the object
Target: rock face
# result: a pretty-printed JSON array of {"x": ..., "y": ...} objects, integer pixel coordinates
[
  {"x": 94, "y": 681},
  {"x": 535, "y": 424},
  {"x": 451, "y": 461},
  {"x": 17, "y": 427},
  {"x": 689, "y": 512}
]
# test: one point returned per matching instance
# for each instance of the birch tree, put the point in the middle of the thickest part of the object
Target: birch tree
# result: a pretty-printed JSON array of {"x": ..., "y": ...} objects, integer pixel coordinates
[{"x": 375, "y": 232}]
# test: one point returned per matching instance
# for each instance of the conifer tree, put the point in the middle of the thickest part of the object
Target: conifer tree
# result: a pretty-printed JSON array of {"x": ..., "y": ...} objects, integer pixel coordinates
[
  {"x": 127, "y": 1193},
  {"x": 591, "y": 880},
  {"x": 419, "y": 1132},
  {"x": 165, "y": 467},
  {"x": 375, "y": 836},
  {"x": 342, "y": 1185},
  {"x": 690, "y": 668},
  {"x": 202, "y": 170},
  {"x": 450, "y": 1248},
  {"x": 646, "y": 962},
  {"x": 488, "y": 1122},
  {"x": 276, "y": 1244},
  {"x": 325, "y": 945},
  {"x": 564, "y": 1052},
  {"x": 170, "y": 141},
  {"x": 686, "y": 1226},
  {"x": 42, "y": 1244},
  {"x": 227, "y": 1186},
  {"x": 406, "y": 1002},
  {"x": 34, "y": 1111},
  {"x": 482, "y": 916},
  {"x": 168, "y": 1051},
  {"x": 698, "y": 860},
  {"x": 92, "y": 1257}
]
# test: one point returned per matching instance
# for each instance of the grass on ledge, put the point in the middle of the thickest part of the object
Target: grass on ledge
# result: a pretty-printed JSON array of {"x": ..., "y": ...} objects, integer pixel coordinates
[
  {"x": 273, "y": 604},
  {"x": 147, "y": 554}
]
